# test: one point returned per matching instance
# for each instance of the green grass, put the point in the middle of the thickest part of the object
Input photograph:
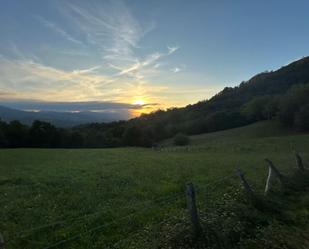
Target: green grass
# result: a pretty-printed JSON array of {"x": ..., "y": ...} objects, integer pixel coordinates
[
  {"x": 41, "y": 186},
  {"x": 256, "y": 130}
]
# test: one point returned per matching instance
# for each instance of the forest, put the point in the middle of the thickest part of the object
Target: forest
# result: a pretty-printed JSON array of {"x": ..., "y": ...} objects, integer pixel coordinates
[{"x": 281, "y": 94}]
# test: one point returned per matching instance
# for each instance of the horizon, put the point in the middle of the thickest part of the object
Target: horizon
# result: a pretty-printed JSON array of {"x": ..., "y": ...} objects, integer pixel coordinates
[
  {"x": 135, "y": 109},
  {"x": 137, "y": 57}
]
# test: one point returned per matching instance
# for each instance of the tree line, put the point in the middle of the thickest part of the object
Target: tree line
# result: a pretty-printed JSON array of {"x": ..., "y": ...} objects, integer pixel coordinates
[
  {"x": 282, "y": 94},
  {"x": 291, "y": 109}
]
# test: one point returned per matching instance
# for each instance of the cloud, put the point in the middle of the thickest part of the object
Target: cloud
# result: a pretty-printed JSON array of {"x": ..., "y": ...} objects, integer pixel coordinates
[
  {"x": 70, "y": 106},
  {"x": 121, "y": 71},
  {"x": 172, "y": 49},
  {"x": 135, "y": 69},
  {"x": 34, "y": 79},
  {"x": 112, "y": 29},
  {"x": 157, "y": 65},
  {"x": 88, "y": 70},
  {"x": 25, "y": 79},
  {"x": 58, "y": 30},
  {"x": 175, "y": 69},
  {"x": 109, "y": 26}
]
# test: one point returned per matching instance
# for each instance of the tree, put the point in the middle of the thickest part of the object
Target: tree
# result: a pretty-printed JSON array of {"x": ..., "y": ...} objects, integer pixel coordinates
[
  {"x": 293, "y": 105},
  {"x": 44, "y": 134},
  {"x": 181, "y": 139},
  {"x": 302, "y": 118},
  {"x": 261, "y": 108},
  {"x": 3, "y": 139},
  {"x": 16, "y": 134}
]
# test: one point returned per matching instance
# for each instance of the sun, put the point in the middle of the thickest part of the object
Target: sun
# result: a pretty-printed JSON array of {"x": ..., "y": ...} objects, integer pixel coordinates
[{"x": 139, "y": 102}]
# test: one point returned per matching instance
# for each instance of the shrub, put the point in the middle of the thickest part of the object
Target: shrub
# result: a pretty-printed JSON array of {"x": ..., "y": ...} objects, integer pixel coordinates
[
  {"x": 302, "y": 118},
  {"x": 181, "y": 139}
]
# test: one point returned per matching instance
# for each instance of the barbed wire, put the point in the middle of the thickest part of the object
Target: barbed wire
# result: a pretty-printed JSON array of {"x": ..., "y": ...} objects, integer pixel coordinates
[
  {"x": 77, "y": 236},
  {"x": 122, "y": 218},
  {"x": 145, "y": 205},
  {"x": 137, "y": 233},
  {"x": 214, "y": 184},
  {"x": 90, "y": 215}
]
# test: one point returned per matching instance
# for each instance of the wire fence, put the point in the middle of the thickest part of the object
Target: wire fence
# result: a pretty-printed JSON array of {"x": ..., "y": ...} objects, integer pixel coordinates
[
  {"x": 25, "y": 234},
  {"x": 171, "y": 202}
]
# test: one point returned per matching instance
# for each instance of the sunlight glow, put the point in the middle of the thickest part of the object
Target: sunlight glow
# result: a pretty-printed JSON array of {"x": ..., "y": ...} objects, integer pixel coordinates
[{"x": 138, "y": 102}]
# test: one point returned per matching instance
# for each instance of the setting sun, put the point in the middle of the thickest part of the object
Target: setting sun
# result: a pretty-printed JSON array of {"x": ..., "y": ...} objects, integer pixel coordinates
[{"x": 138, "y": 102}]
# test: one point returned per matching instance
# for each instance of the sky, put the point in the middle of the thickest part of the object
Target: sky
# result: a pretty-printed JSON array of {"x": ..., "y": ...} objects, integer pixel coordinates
[{"x": 141, "y": 55}]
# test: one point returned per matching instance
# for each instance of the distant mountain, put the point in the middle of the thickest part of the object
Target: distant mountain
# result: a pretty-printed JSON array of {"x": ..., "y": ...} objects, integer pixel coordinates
[
  {"x": 61, "y": 119},
  {"x": 282, "y": 94}
]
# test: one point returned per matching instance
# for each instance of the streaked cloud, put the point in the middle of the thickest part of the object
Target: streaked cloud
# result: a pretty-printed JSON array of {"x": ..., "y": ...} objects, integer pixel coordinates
[
  {"x": 141, "y": 64},
  {"x": 120, "y": 74},
  {"x": 109, "y": 26},
  {"x": 175, "y": 69},
  {"x": 58, "y": 30},
  {"x": 70, "y": 106},
  {"x": 172, "y": 49},
  {"x": 116, "y": 34},
  {"x": 36, "y": 80},
  {"x": 88, "y": 70}
]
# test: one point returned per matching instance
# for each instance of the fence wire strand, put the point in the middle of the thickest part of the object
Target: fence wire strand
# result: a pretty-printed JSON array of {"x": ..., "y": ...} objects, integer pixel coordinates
[
  {"x": 90, "y": 215},
  {"x": 145, "y": 206},
  {"x": 77, "y": 236}
]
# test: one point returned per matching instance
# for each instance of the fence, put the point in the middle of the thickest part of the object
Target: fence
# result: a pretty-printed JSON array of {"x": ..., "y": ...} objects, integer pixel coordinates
[{"x": 178, "y": 207}]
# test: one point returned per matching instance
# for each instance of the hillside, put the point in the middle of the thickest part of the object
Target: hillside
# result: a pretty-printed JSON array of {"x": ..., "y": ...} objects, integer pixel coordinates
[
  {"x": 241, "y": 136},
  {"x": 134, "y": 197},
  {"x": 224, "y": 110},
  {"x": 280, "y": 95}
]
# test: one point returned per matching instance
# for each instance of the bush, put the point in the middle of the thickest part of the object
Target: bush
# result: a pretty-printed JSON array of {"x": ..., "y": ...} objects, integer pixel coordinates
[
  {"x": 302, "y": 118},
  {"x": 181, "y": 139}
]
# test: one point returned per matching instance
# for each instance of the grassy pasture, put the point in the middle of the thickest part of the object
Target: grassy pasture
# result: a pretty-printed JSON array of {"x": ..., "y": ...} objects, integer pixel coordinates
[{"x": 42, "y": 186}]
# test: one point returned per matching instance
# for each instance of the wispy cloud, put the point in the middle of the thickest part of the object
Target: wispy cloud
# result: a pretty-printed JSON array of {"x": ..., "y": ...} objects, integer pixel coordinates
[
  {"x": 86, "y": 71},
  {"x": 116, "y": 34},
  {"x": 172, "y": 49},
  {"x": 176, "y": 70},
  {"x": 58, "y": 30},
  {"x": 108, "y": 29},
  {"x": 141, "y": 64},
  {"x": 69, "y": 106},
  {"x": 26, "y": 79},
  {"x": 34, "y": 79},
  {"x": 109, "y": 26}
]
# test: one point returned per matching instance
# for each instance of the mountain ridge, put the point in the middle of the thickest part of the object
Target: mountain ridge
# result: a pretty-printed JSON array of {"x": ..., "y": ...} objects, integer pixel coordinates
[{"x": 61, "y": 119}]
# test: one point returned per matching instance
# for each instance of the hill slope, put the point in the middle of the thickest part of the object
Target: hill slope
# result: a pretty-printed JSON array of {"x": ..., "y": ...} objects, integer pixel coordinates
[
  {"x": 224, "y": 110},
  {"x": 253, "y": 133},
  {"x": 130, "y": 193},
  {"x": 228, "y": 109}
]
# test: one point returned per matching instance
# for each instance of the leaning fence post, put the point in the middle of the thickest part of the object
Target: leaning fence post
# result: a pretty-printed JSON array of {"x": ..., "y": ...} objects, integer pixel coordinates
[
  {"x": 275, "y": 171},
  {"x": 299, "y": 162},
  {"x": 270, "y": 179},
  {"x": 191, "y": 203},
  {"x": 1, "y": 241},
  {"x": 244, "y": 182}
]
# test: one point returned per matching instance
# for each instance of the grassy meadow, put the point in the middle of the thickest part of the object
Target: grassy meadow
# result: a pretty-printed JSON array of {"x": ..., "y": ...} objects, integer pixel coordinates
[{"x": 95, "y": 198}]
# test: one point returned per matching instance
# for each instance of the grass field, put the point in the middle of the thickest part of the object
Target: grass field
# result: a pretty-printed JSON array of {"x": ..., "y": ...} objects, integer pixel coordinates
[{"x": 89, "y": 193}]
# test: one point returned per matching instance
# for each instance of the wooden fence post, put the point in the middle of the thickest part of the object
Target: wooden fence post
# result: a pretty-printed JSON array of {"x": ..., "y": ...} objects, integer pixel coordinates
[
  {"x": 191, "y": 203},
  {"x": 276, "y": 172},
  {"x": 1, "y": 241},
  {"x": 270, "y": 179},
  {"x": 299, "y": 162},
  {"x": 244, "y": 182}
]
